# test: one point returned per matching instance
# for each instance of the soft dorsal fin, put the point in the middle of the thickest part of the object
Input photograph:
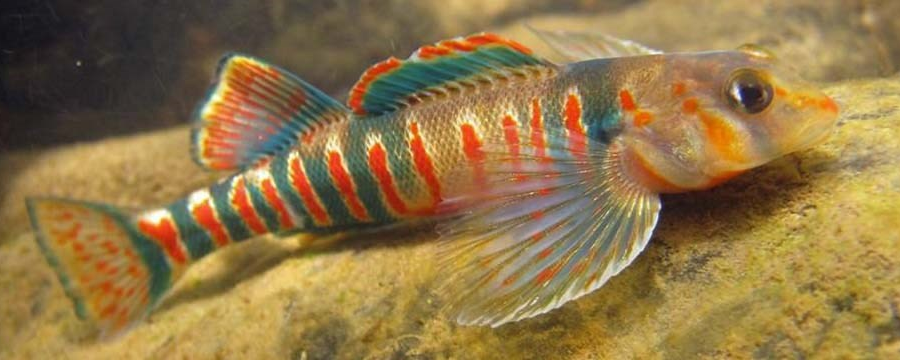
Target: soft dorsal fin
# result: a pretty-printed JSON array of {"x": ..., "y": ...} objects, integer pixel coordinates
[
  {"x": 579, "y": 46},
  {"x": 447, "y": 67},
  {"x": 255, "y": 110}
]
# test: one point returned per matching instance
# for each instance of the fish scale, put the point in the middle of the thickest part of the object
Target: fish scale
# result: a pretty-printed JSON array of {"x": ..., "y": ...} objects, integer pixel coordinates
[{"x": 544, "y": 179}]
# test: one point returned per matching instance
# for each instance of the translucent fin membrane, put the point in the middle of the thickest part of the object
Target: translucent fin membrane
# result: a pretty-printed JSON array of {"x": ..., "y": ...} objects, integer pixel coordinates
[
  {"x": 112, "y": 274},
  {"x": 256, "y": 110},
  {"x": 550, "y": 229}
]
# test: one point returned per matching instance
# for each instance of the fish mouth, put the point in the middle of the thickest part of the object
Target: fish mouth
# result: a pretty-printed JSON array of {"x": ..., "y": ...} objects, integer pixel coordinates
[{"x": 812, "y": 134}]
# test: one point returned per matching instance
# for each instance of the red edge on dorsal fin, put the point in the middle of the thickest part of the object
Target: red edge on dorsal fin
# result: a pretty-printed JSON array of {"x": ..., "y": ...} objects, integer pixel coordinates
[
  {"x": 359, "y": 90},
  {"x": 426, "y": 53}
]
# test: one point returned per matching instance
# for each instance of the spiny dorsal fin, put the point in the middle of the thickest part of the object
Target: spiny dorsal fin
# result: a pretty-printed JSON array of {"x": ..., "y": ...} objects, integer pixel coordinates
[
  {"x": 256, "y": 110},
  {"x": 581, "y": 46},
  {"x": 445, "y": 68}
]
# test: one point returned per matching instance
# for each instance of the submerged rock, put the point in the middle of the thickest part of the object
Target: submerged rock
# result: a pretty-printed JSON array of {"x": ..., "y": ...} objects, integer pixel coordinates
[{"x": 798, "y": 258}]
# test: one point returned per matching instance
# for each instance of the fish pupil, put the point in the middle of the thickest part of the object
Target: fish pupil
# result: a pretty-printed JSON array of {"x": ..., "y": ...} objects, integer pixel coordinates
[{"x": 749, "y": 92}]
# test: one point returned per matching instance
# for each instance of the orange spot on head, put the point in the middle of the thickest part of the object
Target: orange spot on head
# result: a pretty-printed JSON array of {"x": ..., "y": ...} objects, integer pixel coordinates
[
  {"x": 779, "y": 91},
  {"x": 829, "y": 105},
  {"x": 721, "y": 136},
  {"x": 642, "y": 118},
  {"x": 690, "y": 106},
  {"x": 679, "y": 89},
  {"x": 627, "y": 101}
]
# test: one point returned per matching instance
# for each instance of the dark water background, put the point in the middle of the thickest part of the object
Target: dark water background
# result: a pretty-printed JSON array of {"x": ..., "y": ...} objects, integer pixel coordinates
[{"x": 81, "y": 70}]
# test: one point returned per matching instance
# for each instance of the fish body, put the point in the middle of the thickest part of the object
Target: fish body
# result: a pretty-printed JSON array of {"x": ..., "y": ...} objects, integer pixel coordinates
[{"x": 544, "y": 178}]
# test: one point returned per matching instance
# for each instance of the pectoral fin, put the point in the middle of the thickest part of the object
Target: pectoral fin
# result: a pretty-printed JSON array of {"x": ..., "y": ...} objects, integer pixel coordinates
[{"x": 548, "y": 230}]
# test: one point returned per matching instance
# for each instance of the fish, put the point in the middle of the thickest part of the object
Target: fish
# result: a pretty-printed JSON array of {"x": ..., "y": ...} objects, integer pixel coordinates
[{"x": 543, "y": 178}]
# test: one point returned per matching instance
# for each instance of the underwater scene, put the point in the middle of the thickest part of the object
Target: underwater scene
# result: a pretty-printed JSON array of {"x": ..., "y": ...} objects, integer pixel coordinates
[{"x": 574, "y": 179}]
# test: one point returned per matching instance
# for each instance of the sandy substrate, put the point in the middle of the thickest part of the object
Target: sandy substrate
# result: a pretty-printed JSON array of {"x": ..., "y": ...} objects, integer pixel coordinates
[{"x": 800, "y": 258}]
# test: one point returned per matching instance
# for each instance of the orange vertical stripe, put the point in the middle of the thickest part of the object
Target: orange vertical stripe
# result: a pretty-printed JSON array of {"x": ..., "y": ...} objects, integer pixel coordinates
[
  {"x": 511, "y": 134},
  {"x": 241, "y": 203},
  {"x": 472, "y": 149},
  {"x": 423, "y": 164},
  {"x": 721, "y": 136},
  {"x": 627, "y": 101},
  {"x": 205, "y": 216},
  {"x": 307, "y": 194},
  {"x": 274, "y": 199},
  {"x": 577, "y": 141},
  {"x": 537, "y": 129},
  {"x": 345, "y": 185},
  {"x": 166, "y": 235},
  {"x": 379, "y": 166}
]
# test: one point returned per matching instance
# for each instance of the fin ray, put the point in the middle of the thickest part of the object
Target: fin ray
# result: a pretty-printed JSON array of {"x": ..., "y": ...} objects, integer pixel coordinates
[
  {"x": 435, "y": 70},
  {"x": 255, "y": 110},
  {"x": 582, "y": 46},
  {"x": 558, "y": 231},
  {"x": 112, "y": 275}
]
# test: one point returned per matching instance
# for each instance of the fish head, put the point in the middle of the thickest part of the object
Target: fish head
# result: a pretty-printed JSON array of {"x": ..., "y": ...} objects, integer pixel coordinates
[{"x": 724, "y": 112}]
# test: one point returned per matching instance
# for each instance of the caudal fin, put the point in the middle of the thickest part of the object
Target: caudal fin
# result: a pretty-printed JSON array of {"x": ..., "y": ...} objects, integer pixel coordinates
[{"x": 113, "y": 274}]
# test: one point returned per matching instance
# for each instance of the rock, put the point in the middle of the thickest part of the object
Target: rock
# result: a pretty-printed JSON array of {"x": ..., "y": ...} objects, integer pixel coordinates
[{"x": 799, "y": 258}]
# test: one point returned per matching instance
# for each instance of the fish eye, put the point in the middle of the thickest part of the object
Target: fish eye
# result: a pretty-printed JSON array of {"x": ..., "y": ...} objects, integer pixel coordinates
[{"x": 748, "y": 91}]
